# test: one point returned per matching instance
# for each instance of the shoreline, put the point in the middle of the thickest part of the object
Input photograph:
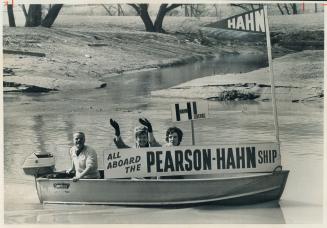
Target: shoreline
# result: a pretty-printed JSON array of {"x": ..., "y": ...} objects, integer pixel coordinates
[
  {"x": 298, "y": 77},
  {"x": 71, "y": 56}
]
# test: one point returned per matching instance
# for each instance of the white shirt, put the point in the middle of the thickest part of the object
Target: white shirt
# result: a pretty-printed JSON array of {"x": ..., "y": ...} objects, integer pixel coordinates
[{"x": 86, "y": 158}]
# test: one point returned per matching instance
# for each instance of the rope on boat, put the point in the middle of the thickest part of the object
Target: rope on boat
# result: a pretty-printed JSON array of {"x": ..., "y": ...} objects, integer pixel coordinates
[{"x": 277, "y": 169}]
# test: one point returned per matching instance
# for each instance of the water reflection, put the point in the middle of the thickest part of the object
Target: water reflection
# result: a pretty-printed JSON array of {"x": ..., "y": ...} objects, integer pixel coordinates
[
  {"x": 130, "y": 85},
  {"x": 37, "y": 127},
  {"x": 264, "y": 213}
]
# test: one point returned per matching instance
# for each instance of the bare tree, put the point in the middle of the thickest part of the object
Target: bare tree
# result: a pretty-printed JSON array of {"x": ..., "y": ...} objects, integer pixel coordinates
[
  {"x": 108, "y": 9},
  {"x": 198, "y": 10},
  {"x": 242, "y": 6},
  {"x": 186, "y": 11},
  {"x": 246, "y": 7},
  {"x": 34, "y": 15},
  {"x": 280, "y": 9},
  {"x": 142, "y": 10},
  {"x": 286, "y": 8},
  {"x": 51, "y": 15},
  {"x": 11, "y": 16},
  {"x": 120, "y": 10},
  {"x": 24, "y": 11},
  {"x": 112, "y": 10},
  {"x": 193, "y": 10},
  {"x": 216, "y": 9},
  {"x": 294, "y": 8}
]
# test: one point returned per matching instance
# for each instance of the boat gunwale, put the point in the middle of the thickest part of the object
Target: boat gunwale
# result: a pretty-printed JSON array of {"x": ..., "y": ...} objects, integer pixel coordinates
[
  {"x": 166, "y": 203},
  {"x": 283, "y": 172}
]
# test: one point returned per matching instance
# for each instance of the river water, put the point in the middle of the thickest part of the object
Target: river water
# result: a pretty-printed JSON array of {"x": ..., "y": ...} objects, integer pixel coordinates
[{"x": 45, "y": 122}]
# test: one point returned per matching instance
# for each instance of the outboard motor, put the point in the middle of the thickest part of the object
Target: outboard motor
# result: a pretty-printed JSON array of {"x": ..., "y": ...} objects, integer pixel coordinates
[{"x": 39, "y": 164}]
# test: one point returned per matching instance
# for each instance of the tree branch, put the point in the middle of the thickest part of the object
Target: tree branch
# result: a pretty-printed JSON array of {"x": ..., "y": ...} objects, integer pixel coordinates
[
  {"x": 136, "y": 7},
  {"x": 285, "y": 6},
  {"x": 241, "y": 6},
  {"x": 108, "y": 11},
  {"x": 171, "y": 7},
  {"x": 24, "y": 10},
  {"x": 280, "y": 9},
  {"x": 51, "y": 16},
  {"x": 144, "y": 6}
]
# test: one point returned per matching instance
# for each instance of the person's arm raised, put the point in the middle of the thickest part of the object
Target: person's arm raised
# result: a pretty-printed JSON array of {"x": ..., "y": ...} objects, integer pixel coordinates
[
  {"x": 115, "y": 125},
  {"x": 117, "y": 140},
  {"x": 152, "y": 140}
]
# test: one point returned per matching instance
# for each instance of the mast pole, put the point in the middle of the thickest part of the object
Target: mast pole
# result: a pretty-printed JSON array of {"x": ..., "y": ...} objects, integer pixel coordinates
[
  {"x": 271, "y": 72},
  {"x": 192, "y": 129}
]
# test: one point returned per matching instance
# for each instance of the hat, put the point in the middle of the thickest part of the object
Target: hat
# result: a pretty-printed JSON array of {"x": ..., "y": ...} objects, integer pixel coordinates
[{"x": 140, "y": 129}]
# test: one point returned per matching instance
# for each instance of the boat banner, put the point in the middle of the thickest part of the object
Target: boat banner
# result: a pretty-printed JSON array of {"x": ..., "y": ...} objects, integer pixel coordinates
[
  {"x": 251, "y": 21},
  {"x": 191, "y": 160}
]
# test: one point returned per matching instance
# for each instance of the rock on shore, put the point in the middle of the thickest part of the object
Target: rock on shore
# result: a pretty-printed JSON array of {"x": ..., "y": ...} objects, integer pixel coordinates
[{"x": 46, "y": 84}]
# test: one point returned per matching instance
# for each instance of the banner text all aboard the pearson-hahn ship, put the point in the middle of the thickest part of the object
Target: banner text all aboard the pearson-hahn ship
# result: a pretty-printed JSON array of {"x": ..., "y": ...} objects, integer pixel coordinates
[{"x": 190, "y": 160}]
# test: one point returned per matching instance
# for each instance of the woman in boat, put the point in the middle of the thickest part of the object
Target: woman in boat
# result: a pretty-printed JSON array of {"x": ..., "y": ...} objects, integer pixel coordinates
[
  {"x": 143, "y": 136},
  {"x": 84, "y": 159},
  {"x": 174, "y": 135}
]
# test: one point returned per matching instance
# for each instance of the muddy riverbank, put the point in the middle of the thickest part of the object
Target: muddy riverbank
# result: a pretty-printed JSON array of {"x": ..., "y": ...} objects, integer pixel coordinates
[
  {"x": 78, "y": 53},
  {"x": 298, "y": 78}
]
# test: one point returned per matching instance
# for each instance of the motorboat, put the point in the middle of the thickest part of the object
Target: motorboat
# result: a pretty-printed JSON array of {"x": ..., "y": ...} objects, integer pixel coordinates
[{"x": 227, "y": 189}]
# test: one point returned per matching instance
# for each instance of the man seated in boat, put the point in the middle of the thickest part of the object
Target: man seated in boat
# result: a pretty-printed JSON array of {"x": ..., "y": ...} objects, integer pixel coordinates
[
  {"x": 143, "y": 136},
  {"x": 84, "y": 159}
]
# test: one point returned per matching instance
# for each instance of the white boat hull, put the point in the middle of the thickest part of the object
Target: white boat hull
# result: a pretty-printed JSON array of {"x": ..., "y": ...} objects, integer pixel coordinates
[{"x": 241, "y": 189}]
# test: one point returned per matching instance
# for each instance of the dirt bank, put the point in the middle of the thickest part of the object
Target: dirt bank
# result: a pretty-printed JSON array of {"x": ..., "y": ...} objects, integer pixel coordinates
[
  {"x": 75, "y": 56},
  {"x": 298, "y": 77},
  {"x": 78, "y": 52}
]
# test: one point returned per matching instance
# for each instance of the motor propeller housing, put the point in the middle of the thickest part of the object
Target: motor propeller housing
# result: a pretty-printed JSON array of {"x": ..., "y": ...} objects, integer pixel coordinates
[{"x": 39, "y": 164}]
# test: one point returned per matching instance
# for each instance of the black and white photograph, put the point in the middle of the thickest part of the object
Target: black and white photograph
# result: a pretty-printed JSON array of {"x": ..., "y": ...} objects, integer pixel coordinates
[{"x": 163, "y": 112}]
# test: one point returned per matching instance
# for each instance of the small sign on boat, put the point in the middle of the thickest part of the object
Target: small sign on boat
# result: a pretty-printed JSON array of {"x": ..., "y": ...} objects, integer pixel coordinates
[
  {"x": 61, "y": 185},
  {"x": 189, "y": 111},
  {"x": 191, "y": 160}
]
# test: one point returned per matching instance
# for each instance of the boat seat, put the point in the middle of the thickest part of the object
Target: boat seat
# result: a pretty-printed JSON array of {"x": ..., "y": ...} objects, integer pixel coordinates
[
  {"x": 101, "y": 174},
  {"x": 173, "y": 177},
  {"x": 59, "y": 175}
]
